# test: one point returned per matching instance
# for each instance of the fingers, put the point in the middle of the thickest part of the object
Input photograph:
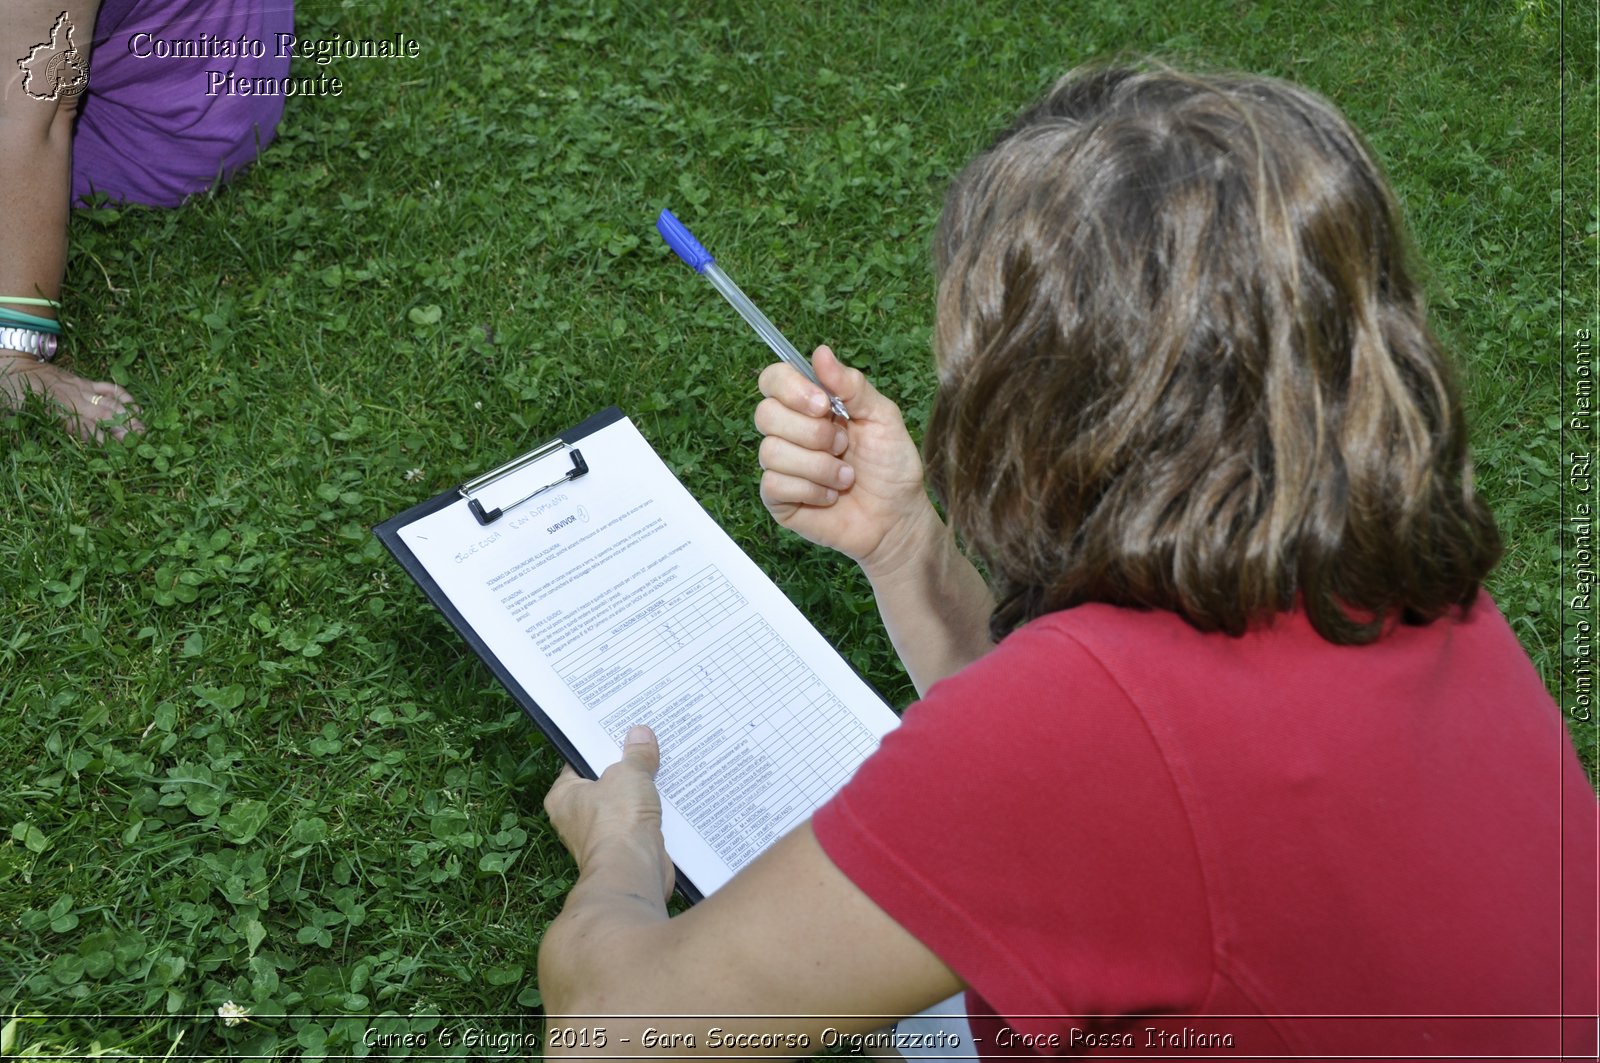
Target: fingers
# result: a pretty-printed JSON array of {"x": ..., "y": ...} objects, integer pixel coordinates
[
  {"x": 640, "y": 752},
  {"x": 790, "y": 387},
  {"x": 849, "y": 384},
  {"x": 801, "y": 474},
  {"x": 784, "y": 383},
  {"x": 803, "y": 445},
  {"x": 557, "y": 793},
  {"x": 787, "y": 387},
  {"x": 112, "y": 391},
  {"x": 640, "y": 749},
  {"x": 588, "y": 815},
  {"x": 784, "y": 455},
  {"x": 783, "y": 494},
  {"x": 794, "y": 476},
  {"x": 102, "y": 411},
  {"x": 775, "y": 419}
]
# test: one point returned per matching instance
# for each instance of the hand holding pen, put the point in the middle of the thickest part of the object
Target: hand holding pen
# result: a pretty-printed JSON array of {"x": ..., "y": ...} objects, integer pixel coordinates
[
  {"x": 853, "y": 486},
  {"x": 688, "y": 248}
]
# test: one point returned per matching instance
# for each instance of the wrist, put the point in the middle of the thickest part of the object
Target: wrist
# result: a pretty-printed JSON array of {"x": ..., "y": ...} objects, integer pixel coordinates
[
  {"x": 906, "y": 550},
  {"x": 619, "y": 846},
  {"x": 624, "y": 875},
  {"x": 36, "y": 343}
]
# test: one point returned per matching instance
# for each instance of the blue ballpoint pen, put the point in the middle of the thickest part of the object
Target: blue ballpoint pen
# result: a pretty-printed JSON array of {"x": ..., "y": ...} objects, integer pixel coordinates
[{"x": 688, "y": 248}]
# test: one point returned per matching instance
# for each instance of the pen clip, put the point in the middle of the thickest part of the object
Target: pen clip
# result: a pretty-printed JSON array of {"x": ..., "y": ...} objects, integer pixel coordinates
[{"x": 489, "y": 516}]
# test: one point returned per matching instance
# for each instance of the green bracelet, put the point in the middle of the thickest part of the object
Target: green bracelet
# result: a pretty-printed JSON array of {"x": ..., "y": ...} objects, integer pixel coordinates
[
  {"x": 26, "y": 300},
  {"x": 41, "y": 324}
]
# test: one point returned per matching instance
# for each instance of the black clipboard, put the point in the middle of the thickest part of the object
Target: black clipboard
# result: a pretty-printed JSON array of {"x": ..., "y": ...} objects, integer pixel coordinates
[{"x": 388, "y": 533}]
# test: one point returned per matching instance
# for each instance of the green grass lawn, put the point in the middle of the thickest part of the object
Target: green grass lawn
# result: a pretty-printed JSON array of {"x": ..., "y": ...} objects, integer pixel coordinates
[{"x": 246, "y": 761}]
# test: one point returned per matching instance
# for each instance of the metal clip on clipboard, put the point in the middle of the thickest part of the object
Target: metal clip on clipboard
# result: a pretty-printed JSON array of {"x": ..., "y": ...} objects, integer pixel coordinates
[{"x": 579, "y": 467}]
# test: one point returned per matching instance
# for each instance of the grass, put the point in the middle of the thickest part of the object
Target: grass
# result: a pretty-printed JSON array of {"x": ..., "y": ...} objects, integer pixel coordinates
[{"x": 246, "y": 762}]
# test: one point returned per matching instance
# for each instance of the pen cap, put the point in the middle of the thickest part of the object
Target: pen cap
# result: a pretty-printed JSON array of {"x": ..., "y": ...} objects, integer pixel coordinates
[{"x": 683, "y": 242}]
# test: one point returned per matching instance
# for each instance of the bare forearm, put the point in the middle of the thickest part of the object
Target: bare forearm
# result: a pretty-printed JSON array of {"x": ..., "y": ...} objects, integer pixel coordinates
[
  {"x": 934, "y": 603},
  {"x": 584, "y": 961}
]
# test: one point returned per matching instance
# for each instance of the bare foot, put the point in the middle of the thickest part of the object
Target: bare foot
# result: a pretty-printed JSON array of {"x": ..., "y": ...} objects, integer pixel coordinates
[{"x": 92, "y": 410}]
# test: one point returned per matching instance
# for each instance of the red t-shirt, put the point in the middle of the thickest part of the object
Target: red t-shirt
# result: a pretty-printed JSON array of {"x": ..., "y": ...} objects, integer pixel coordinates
[{"x": 1129, "y": 837}]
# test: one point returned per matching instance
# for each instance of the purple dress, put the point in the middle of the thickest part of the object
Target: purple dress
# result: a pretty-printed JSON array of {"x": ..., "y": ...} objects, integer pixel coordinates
[{"x": 158, "y": 123}]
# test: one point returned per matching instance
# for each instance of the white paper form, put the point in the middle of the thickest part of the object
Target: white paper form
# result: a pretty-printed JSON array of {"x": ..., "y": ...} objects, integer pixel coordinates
[{"x": 615, "y": 599}]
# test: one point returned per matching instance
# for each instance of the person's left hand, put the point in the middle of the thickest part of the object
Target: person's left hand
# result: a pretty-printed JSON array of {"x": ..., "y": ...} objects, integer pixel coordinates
[
  {"x": 92, "y": 410},
  {"x": 619, "y": 810}
]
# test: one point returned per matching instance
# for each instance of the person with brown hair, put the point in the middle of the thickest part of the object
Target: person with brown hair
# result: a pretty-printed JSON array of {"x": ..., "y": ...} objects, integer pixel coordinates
[{"x": 1235, "y": 756}]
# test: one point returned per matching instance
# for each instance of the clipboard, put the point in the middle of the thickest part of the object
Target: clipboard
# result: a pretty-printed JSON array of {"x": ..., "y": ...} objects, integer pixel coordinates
[
  {"x": 478, "y": 495},
  {"x": 634, "y": 606}
]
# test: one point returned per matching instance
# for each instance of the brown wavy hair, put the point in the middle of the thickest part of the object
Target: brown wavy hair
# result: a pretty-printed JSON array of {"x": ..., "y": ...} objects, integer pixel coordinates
[{"x": 1184, "y": 365}]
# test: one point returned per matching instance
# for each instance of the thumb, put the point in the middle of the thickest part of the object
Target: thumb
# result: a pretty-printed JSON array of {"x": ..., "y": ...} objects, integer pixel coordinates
[
  {"x": 851, "y": 385},
  {"x": 640, "y": 749},
  {"x": 834, "y": 374}
]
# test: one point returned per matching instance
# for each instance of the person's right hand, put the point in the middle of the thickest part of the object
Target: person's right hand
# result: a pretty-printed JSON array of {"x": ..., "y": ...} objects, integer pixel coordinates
[{"x": 856, "y": 485}]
